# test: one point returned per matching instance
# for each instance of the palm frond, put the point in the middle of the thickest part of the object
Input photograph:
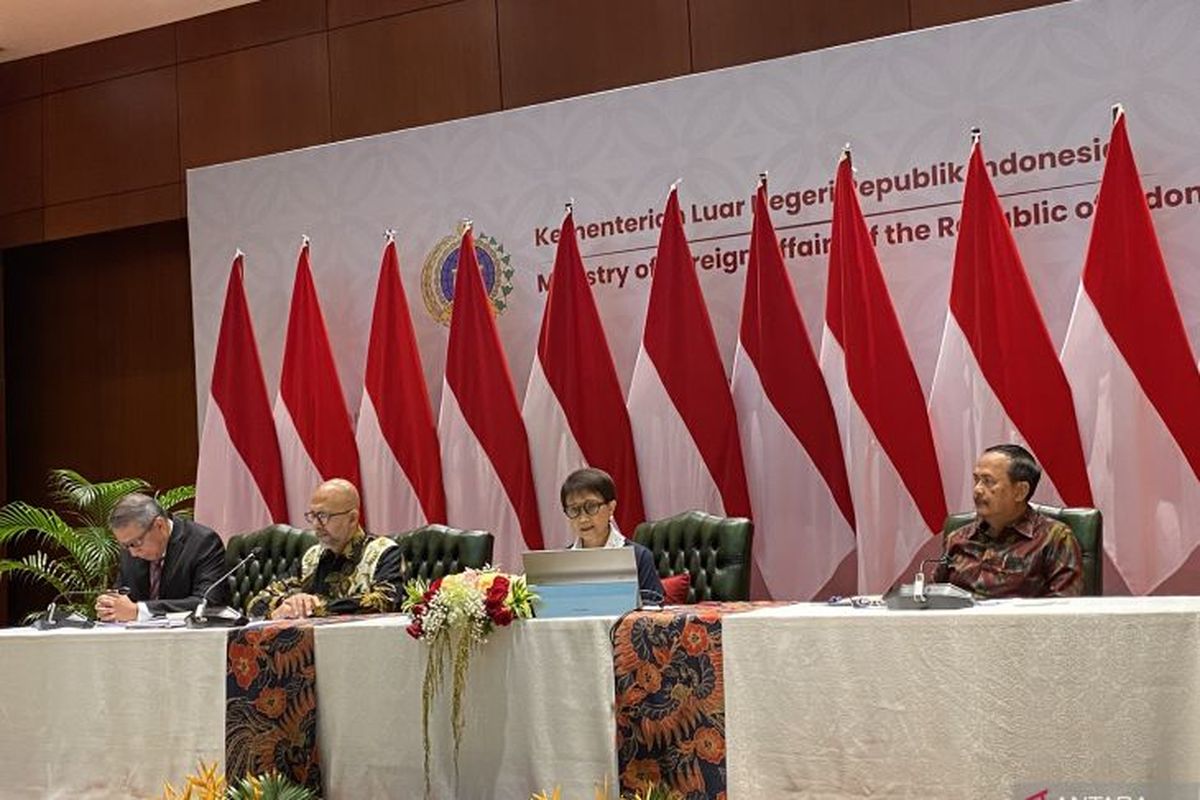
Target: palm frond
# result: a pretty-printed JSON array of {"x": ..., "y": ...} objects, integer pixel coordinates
[
  {"x": 32, "y": 571},
  {"x": 19, "y": 519},
  {"x": 91, "y": 502},
  {"x": 271, "y": 786},
  {"x": 98, "y": 554},
  {"x": 170, "y": 498}
]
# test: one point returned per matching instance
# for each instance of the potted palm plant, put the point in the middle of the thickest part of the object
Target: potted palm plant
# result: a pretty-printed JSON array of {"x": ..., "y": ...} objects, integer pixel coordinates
[{"x": 76, "y": 553}]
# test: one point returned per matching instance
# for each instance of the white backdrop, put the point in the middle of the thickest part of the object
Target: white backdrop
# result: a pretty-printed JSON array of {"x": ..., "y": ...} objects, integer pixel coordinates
[{"x": 1036, "y": 82}]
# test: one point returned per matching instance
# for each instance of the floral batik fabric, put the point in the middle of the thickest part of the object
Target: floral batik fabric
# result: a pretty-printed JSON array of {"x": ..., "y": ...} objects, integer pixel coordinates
[{"x": 363, "y": 579}]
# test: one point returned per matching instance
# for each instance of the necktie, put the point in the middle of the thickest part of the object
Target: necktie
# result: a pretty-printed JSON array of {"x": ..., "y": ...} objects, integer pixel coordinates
[{"x": 155, "y": 578}]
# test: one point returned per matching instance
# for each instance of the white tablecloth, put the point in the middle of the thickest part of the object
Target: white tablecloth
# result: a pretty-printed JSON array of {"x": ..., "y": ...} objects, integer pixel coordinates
[
  {"x": 842, "y": 703},
  {"x": 820, "y": 702},
  {"x": 538, "y": 709},
  {"x": 108, "y": 713}
]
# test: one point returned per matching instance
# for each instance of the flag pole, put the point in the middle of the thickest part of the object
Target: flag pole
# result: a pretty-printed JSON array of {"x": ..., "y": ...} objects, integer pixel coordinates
[
  {"x": 464, "y": 225},
  {"x": 1117, "y": 111},
  {"x": 975, "y": 135},
  {"x": 569, "y": 207},
  {"x": 389, "y": 235},
  {"x": 762, "y": 179}
]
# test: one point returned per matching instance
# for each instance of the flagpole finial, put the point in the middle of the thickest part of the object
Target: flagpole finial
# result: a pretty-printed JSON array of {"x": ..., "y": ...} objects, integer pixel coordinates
[
  {"x": 237, "y": 252},
  {"x": 464, "y": 225},
  {"x": 389, "y": 234},
  {"x": 762, "y": 179},
  {"x": 570, "y": 206},
  {"x": 675, "y": 185},
  {"x": 304, "y": 240},
  {"x": 975, "y": 134},
  {"x": 1118, "y": 111}
]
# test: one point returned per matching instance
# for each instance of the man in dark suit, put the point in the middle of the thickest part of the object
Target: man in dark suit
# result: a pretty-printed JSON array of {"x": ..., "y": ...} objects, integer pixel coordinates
[{"x": 167, "y": 563}]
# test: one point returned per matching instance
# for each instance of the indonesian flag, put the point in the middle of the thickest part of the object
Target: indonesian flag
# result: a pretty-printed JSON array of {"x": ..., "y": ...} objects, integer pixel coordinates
[
  {"x": 998, "y": 377},
  {"x": 396, "y": 435},
  {"x": 574, "y": 409},
  {"x": 239, "y": 478},
  {"x": 316, "y": 439},
  {"x": 684, "y": 425},
  {"x": 1137, "y": 389},
  {"x": 485, "y": 455},
  {"x": 804, "y": 523},
  {"x": 890, "y": 458}
]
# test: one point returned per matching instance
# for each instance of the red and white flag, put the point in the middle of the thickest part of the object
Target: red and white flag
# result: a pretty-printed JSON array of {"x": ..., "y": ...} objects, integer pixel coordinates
[
  {"x": 316, "y": 438},
  {"x": 680, "y": 407},
  {"x": 804, "y": 517},
  {"x": 998, "y": 378},
  {"x": 574, "y": 408},
  {"x": 485, "y": 455},
  {"x": 894, "y": 480},
  {"x": 396, "y": 435},
  {"x": 239, "y": 478},
  {"x": 1137, "y": 389}
]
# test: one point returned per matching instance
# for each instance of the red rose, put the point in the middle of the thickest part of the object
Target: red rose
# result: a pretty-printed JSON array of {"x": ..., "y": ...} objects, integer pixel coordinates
[
  {"x": 498, "y": 590},
  {"x": 437, "y": 584},
  {"x": 502, "y": 616},
  {"x": 418, "y": 610},
  {"x": 415, "y": 630}
]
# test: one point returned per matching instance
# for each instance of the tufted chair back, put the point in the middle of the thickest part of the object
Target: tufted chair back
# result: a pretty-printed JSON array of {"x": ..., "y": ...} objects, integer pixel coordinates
[
  {"x": 1086, "y": 524},
  {"x": 282, "y": 548},
  {"x": 435, "y": 551},
  {"x": 715, "y": 551}
]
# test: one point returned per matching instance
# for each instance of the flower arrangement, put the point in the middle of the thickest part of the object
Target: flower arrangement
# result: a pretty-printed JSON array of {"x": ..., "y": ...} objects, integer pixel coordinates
[
  {"x": 604, "y": 792},
  {"x": 454, "y": 615},
  {"x": 208, "y": 783}
]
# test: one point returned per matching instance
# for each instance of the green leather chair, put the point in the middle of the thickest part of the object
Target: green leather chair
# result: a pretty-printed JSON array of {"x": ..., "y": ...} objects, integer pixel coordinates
[
  {"x": 715, "y": 551},
  {"x": 1086, "y": 524},
  {"x": 282, "y": 547},
  {"x": 434, "y": 551}
]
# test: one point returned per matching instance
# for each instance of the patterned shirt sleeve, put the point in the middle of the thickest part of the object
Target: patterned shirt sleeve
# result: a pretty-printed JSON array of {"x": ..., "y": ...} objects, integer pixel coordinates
[
  {"x": 266, "y": 601},
  {"x": 1064, "y": 563},
  {"x": 382, "y": 557}
]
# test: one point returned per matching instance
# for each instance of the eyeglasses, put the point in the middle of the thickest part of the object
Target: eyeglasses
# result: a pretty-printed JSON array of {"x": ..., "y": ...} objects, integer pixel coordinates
[
  {"x": 322, "y": 517},
  {"x": 134, "y": 544},
  {"x": 590, "y": 508}
]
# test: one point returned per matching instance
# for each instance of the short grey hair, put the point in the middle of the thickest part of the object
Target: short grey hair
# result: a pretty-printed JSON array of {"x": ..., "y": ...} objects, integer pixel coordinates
[{"x": 138, "y": 508}]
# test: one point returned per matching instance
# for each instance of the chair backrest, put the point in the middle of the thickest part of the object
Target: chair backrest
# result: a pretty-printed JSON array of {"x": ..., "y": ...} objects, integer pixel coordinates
[
  {"x": 435, "y": 551},
  {"x": 282, "y": 548},
  {"x": 714, "y": 551},
  {"x": 1087, "y": 526}
]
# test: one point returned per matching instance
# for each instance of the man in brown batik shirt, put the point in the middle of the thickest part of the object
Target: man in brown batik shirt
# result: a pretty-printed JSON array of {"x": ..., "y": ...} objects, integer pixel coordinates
[{"x": 1010, "y": 550}]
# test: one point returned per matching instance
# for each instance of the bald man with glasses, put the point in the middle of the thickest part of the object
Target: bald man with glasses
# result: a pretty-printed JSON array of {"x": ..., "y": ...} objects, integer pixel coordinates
[
  {"x": 167, "y": 563},
  {"x": 349, "y": 571}
]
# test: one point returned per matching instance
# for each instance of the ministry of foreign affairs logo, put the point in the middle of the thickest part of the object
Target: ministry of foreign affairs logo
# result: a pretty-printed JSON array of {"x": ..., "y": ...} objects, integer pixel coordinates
[{"x": 441, "y": 267}]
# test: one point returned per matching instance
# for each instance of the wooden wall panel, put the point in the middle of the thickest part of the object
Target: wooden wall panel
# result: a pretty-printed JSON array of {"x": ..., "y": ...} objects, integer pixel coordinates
[
  {"x": 106, "y": 59},
  {"x": 126, "y": 210},
  {"x": 262, "y": 100},
  {"x": 23, "y": 227},
  {"x": 927, "y": 13},
  {"x": 112, "y": 137},
  {"x": 572, "y": 47},
  {"x": 414, "y": 69},
  {"x": 729, "y": 32},
  {"x": 21, "y": 156},
  {"x": 20, "y": 80},
  {"x": 248, "y": 25},
  {"x": 99, "y": 328},
  {"x": 352, "y": 12}
]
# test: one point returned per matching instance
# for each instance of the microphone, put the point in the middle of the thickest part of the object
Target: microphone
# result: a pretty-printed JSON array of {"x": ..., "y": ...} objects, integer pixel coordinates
[
  {"x": 199, "y": 619},
  {"x": 919, "y": 595},
  {"x": 51, "y": 619}
]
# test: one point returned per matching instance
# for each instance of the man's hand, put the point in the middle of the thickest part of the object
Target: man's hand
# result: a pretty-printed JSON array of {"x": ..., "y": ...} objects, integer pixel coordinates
[
  {"x": 297, "y": 606},
  {"x": 115, "y": 608}
]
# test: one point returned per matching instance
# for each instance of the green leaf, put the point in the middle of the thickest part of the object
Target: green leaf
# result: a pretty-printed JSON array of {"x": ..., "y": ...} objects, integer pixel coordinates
[{"x": 170, "y": 498}]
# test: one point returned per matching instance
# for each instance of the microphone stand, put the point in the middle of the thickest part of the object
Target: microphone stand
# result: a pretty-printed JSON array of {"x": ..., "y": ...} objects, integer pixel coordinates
[
  {"x": 225, "y": 617},
  {"x": 52, "y": 620}
]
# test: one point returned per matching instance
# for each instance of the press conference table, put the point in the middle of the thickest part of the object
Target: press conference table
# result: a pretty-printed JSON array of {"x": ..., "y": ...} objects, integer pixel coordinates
[{"x": 820, "y": 702}]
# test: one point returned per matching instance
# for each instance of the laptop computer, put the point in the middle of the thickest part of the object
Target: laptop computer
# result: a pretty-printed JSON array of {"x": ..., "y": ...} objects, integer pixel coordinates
[{"x": 583, "y": 582}]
